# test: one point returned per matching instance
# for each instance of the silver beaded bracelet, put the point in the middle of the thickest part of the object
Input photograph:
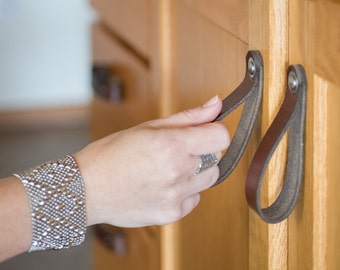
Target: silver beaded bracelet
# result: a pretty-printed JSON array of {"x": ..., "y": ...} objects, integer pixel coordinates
[{"x": 57, "y": 201}]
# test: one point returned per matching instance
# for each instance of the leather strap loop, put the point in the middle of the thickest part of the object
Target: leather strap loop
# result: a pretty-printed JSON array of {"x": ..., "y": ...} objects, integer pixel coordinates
[
  {"x": 291, "y": 119},
  {"x": 250, "y": 93}
]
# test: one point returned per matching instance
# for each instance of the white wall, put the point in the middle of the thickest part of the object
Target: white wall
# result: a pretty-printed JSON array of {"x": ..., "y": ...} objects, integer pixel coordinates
[{"x": 45, "y": 54}]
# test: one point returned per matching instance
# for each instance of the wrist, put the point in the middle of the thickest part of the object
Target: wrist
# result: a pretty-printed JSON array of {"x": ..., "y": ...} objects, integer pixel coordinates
[
  {"x": 84, "y": 166},
  {"x": 16, "y": 219}
]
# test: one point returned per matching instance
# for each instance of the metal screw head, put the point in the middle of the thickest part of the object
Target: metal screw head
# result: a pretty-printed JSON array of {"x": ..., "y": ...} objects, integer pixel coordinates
[
  {"x": 251, "y": 67},
  {"x": 293, "y": 82}
]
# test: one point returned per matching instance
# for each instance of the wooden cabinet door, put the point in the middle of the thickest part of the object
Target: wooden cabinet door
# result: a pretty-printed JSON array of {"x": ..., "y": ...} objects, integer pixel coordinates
[
  {"x": 206, "y": 59},
  {"x": 303, "y": 32},
  {"x": 314, "y": 41},
  {"x": 206, "y": 46}
]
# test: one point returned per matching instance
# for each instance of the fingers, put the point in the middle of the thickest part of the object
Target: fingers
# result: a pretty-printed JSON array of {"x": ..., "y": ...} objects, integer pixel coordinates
[
  {"x": 204, "y": 180},
  {"x": 189, "y": 204},
  {"x": 192, "y": 117},
  {"x": 205, "y": 139},
  {"x": 195, "y": 185},
  {"x": 195, "y": 130}
]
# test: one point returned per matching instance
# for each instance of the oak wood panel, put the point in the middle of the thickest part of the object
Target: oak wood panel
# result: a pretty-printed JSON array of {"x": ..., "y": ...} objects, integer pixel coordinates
[
  {"x": 326, "y": 37},
  {"x": 142, "y": 252},
  {"x": 314, "y": 42},
  {"x": 333, "y": 176},
  {"x": 163, "y": 73},
  {"x": 231, "y": 15},
  {"x": 286, "y": 32},
  {"x": 130, "y": 19},
  {"x": 201, "y": 56},
  {"x": 207, "y": 61},
  {"x": 139, "y": 102},
  {"x": 268, "y": 32}
]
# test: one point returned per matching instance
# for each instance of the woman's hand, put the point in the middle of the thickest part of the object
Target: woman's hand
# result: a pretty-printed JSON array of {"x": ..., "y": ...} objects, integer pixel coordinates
[{"x": 145, "y": 175}]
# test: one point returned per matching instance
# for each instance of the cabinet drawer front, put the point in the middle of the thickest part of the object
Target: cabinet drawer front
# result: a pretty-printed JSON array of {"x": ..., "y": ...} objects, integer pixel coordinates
[
  {"x": 130, "y": 19},
  {"x": 140, "y": 250},
  {"x": 231, "y": 15},
  {"x": 138, "y": 103}
]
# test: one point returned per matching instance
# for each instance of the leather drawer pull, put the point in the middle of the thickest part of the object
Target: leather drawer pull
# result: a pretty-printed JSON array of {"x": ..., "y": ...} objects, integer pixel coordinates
[
  {"x": 290, "y": 119},
  {"x": 112, "y": 238},
  {"x": 248, "y": 92}
]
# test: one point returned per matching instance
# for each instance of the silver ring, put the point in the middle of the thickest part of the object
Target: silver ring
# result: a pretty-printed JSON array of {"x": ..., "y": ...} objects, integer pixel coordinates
[{"x": 206, "y": 162}]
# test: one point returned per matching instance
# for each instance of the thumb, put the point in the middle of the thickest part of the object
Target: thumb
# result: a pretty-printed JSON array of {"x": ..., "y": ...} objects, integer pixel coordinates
[{"x": 197, "y": 116}]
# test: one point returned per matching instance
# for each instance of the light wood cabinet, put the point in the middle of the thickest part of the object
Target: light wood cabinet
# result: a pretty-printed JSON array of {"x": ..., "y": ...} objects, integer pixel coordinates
[
  {"x": 198, "y": 50},
  {"x": 139, "y": 250},
  {"x": 130, "y": 20},
  {"x": 121, "y": 44},
  {"x": 138, "y": 101},
  {"x": 209, "y": 43}
]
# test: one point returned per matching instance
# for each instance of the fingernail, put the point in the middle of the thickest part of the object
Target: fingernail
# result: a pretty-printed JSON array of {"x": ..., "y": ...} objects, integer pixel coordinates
[{"x": 211, "y": 102}]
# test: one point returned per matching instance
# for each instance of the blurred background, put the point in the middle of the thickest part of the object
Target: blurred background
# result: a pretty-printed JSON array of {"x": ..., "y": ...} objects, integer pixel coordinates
[
  {"x": 45, "y": 53},
  {"x": 72, "y": 72},
  {"x": 45, "y": 92}
]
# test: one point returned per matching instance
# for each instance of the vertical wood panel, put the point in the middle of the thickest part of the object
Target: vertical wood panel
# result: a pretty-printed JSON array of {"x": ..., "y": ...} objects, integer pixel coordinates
[
  {"x": 301, "y": 222},
  {"x": 326, "y": 36},
  {"x": 164, "y": 65},
  {"x": 314, "y": 226},
  {"x": 268, "y": 25},
  {"x": 319, "y": 173},
  {"x": 166, "y": 52},
  {"x": 207, "y": 60},
  {"x": 333, "y": 176}
]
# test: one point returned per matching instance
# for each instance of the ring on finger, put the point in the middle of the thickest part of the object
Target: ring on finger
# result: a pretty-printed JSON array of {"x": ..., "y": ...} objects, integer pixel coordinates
[{"x": 205, "y": 162}]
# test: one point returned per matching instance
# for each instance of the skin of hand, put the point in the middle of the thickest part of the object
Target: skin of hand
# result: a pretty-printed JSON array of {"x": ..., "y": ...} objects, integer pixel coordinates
[
  {"x": 15, "y": 218},
  {"x": 145, "y": 175}
]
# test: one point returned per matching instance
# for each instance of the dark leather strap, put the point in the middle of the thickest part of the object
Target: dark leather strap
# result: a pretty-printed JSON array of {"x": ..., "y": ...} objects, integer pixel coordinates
[
  {"x": 291, "y": 119},
  {"x": 250, "y": 93}
]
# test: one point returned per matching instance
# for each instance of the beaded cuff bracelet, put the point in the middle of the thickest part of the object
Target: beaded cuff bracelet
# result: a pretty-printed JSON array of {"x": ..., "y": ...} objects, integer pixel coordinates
[{"x": 57, "y": 201}]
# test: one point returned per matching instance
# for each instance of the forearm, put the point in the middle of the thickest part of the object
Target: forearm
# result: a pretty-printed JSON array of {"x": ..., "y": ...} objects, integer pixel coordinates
[
  {"x": 15, "y": 220},
  {"x": 145, "y": 175}
]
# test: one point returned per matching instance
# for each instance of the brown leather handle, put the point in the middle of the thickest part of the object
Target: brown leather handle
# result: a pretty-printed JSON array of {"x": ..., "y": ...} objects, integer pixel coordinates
[
  {"x": 107, "y": 83},
  {"x": 113, "y": 238},
  {"x": 291, "y": 119},
  {"x": 248, "y": 92}
]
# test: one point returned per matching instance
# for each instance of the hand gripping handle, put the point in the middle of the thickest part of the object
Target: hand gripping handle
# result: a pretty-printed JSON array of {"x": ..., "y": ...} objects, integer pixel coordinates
[{"x": 248, "y": 92}]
